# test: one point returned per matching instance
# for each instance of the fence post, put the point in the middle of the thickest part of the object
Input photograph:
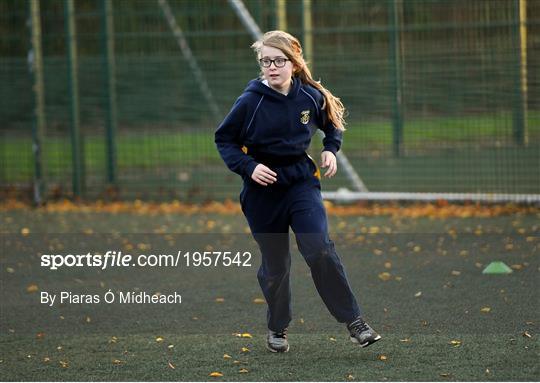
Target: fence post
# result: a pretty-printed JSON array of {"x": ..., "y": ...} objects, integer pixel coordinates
[
  {"x": 77, "y": 146},
  {"x": 35, "y": 61},
  {"x": 281, "y": 12},
  {"x": 395, "y": 67},
  {"x": 110, "y": 89},
  {"x": 257, "y": 12},
  {"x": 307, "y": 26},
  {"x": 520, "y": 90}
]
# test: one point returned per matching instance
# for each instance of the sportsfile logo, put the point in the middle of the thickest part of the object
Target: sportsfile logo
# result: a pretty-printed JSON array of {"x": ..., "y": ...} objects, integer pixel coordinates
[{"x": 110, "y": 258}]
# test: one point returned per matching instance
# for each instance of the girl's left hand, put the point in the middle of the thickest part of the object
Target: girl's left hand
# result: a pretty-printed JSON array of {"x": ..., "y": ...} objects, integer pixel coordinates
[{"x": 328, "y": 159}]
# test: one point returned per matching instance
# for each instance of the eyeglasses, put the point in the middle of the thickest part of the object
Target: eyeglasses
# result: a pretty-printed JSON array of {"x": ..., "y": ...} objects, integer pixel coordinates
[{"x": 279, "y": 62}]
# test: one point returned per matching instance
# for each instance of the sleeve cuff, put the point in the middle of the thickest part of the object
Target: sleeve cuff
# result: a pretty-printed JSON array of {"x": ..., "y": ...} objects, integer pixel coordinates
[
  {"x": 331, "y": 148},
  {"x": 250, "y": 167}
]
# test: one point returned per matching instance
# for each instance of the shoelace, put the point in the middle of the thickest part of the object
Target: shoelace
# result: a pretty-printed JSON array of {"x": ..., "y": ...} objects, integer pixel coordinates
[
  {"x": 282, "y": 334},
  {"x": 358, "y": 326}
]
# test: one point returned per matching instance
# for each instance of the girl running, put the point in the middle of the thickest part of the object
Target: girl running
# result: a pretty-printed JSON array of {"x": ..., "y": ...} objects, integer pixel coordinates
[{"x": 264, "y": 139}]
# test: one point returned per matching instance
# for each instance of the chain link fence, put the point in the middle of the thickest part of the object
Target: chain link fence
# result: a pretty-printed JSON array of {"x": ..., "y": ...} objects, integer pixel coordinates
[{"x": 107, "y": 99}]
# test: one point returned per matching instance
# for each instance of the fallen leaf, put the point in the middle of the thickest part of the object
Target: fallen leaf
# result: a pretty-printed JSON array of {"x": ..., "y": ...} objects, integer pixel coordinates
[
  {"x": 243, "y": 371},
  {"x": 350, "y": 376},
  {"x": 159, "y": 339},
  {"x": 143, "y": 246},
  {"x": 456, "y": 273},
  {"x": 113, "y": 339},
  {"x": 215, "y": 374},
  {"x": 170, "y": 347},
  {"x": 117, "y": 361},
  {"x": 246, "y": 335},
  {"x": 25, "y": 231},
  {"x": 418, "y": 294},
  {"x": 385, "y": 276},
  {"x": 64, "y": 364},
  {"x": 445, "y": 374},
  {"x": 46, "y": 359},
  {"x": 245, "y": 349},
  {"x": 88, "y": 320},
  {"x": 516, "y": 267},
  {"x": 40, "y": 335},
  {"x": 259, "y": 300},
  {"x": 171, "y": 365},
  {"x": 374, "y": 229},
  {"x": 406, "y": 340},
  {"x": 10, "y": 270},
  {"x": 31, "y": 288},
  {"x": 383, "y": 357},
  {"x": 527, "y": 335},
  {"x": 226, "y": 356},
  {"x": 485, "y": 309},
  {"x": 332, "y": 339},
  {"x": 455, "y": 343},
  {"x": 220, "y": 300},
  {"x": 387, "y": 265}
]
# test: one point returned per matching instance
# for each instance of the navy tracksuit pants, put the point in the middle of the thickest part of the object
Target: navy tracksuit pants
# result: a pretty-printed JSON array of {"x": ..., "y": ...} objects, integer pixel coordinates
[{"x": 295, "y": 201}]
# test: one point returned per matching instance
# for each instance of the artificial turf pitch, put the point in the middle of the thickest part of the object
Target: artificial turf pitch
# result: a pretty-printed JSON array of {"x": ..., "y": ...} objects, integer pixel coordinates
[{"x": 419, "y": 281}]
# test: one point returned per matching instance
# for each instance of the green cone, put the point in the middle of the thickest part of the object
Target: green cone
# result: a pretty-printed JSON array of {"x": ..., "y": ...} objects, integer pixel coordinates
[{"x": 497, "y": 268}]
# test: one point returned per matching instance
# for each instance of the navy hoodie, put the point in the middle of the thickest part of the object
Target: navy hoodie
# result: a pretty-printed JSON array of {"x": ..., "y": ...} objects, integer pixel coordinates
[{"x": 269, "y": 123}]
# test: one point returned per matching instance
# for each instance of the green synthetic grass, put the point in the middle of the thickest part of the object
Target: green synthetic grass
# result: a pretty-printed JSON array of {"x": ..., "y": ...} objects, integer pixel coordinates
[
  {"x": 312, "y": 358},
  {"x": 440, "y": 258}
]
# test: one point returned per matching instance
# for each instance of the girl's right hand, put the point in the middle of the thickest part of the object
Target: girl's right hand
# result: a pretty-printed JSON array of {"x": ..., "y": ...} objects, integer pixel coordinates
[{"x": 263, "y": 175}]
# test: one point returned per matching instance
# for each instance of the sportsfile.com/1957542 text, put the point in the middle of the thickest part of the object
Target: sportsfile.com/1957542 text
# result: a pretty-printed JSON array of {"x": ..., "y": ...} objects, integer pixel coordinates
[{"x": 118, "y": 259}]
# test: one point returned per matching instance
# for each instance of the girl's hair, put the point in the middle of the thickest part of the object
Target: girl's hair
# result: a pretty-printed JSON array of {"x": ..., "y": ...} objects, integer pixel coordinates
[{"x": 290, "y": 45}]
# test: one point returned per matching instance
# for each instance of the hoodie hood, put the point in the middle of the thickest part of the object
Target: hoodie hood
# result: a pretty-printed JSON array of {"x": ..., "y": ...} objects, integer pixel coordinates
[{"x": 257, "y": 86}]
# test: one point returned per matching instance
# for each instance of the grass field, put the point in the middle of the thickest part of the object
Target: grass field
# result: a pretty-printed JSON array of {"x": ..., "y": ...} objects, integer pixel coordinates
[
  {"x": 167, "y": 147},
  {"x": 474, "y": 154},
  {"x": 419, "y": 281}
]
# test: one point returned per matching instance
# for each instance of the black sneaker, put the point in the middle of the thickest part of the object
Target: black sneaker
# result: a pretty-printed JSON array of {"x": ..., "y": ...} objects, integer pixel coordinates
[
  {"x": 362, "y": 333},
  {"x": 277, "y": 341}
]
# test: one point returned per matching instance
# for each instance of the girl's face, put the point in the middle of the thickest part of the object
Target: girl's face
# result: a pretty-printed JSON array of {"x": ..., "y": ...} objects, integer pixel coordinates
[{"x": 279, "y": 79}]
